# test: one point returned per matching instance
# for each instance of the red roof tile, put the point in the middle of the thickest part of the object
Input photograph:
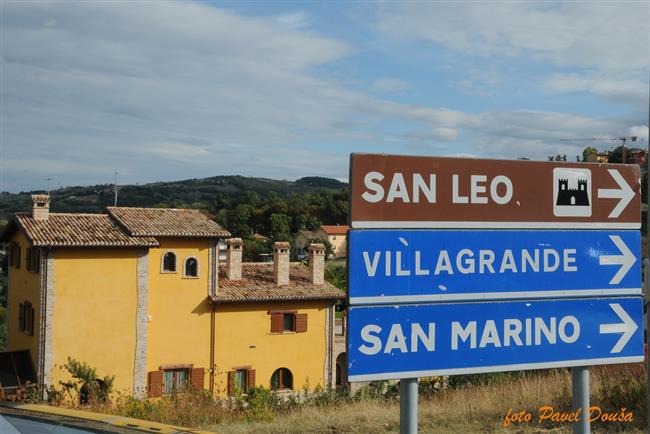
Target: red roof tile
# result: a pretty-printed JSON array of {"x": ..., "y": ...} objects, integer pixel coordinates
[
  {"x": 78, "y": 230},
  {"x": 335, "y": 229},
  {"x": 166, "y": 222}
]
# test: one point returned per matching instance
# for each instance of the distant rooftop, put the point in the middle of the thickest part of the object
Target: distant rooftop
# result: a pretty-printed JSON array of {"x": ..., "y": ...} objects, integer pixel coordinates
[{"x": 335, "y": 229}]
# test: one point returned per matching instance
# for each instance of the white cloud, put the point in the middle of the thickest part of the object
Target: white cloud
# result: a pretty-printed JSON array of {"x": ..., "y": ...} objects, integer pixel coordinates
[
  {"x": 606, "y": 35},
  {"x": 609, "y": 40},
  {"x": 188, "y": 90},
  {"x": 296, "y": 20},
  {"x": 641, "y": 132},
  {"x": 389, "y": 84},
  {"x": 614, "y": 86}
]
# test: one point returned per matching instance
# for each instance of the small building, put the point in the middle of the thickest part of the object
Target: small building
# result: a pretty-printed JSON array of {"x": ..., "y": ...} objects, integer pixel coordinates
[
  {"x": 337, "y": 236},
  {"x": 597, "y": 157},
  {"x": 261, "y": 238},
  {"x": 303, "y": 239}
]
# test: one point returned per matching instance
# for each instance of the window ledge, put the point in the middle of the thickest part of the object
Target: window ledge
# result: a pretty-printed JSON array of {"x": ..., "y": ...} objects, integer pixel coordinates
[
  {"x": 191, "y": 277},
  {"x": 168, "y": 272}
]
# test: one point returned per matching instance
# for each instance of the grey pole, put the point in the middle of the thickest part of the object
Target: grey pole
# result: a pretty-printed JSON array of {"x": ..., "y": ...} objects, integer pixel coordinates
[
  {"x": 580, "y": 398},
  {"x": 408, "y": 406}
]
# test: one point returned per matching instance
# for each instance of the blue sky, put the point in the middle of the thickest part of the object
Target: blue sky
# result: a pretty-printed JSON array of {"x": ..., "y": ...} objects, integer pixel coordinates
[{"x": 173, "y": 90}]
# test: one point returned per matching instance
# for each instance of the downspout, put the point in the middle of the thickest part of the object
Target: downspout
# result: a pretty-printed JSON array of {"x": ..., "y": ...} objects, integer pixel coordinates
[
  {"x": 213, "y": 283},
  {"x": 331, "y": 331},
  {"x": 212, "y": 336}
]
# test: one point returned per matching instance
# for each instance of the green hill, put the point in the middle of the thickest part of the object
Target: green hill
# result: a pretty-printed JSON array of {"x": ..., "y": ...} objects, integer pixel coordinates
[{"x": 207, "y": 194}]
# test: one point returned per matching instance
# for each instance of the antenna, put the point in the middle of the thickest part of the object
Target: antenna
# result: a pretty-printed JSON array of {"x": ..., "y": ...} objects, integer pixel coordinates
[
  {"x": 115, "y": 187},
  {"x": 48, "y": 180}
]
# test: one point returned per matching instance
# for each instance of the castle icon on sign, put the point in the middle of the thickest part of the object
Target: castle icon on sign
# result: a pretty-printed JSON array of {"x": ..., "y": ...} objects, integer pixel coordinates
[
  {"x": 571, "y": 192},
  {"x": 572, "y": 196}
]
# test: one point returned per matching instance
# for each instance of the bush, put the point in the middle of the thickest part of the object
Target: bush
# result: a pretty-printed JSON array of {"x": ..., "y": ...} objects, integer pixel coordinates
[{"x": 85, "y": 385}]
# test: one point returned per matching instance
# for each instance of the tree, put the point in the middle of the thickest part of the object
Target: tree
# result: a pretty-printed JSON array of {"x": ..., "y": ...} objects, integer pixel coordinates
[
  {"x": 557, "y": 157},
  {"x": 279, "y": 229},
  {"x": 589, "y": 150},
  {"x": 238, "y": 221},
  {"x": 254, "y": 248}
]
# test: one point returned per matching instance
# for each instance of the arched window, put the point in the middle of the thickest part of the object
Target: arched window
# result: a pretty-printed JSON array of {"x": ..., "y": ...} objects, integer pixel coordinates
[
  {"x": 191, "y": 267},
  {"x": 169, "y": 262},
  {"x": 282, "y": 379}
]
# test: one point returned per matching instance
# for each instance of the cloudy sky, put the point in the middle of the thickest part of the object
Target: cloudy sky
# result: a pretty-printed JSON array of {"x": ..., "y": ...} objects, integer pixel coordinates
[{"x": 165, "y": 90}]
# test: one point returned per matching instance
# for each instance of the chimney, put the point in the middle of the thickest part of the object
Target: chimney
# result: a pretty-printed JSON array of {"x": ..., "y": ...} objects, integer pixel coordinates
[
  {"x": 40, "y": 206},
  {"x": 233, "y": 258},
  {"x": 317, "y": 263},
  {"x": 281, "y": 262}
]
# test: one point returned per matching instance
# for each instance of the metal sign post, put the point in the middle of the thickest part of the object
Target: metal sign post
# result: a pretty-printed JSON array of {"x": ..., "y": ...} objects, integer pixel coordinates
[
  {"x": 580, "y": 398},
  {"x": 408, "y": 406}
]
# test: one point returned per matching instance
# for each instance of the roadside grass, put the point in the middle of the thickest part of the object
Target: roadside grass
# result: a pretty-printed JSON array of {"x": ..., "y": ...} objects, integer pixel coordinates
[{"x": 468, "y": 404}]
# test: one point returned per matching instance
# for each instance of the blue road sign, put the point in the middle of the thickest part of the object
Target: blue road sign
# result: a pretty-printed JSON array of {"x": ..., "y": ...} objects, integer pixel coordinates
[
  {"x": 408, "y": 341},
  {"x": 411, "y": 266}
]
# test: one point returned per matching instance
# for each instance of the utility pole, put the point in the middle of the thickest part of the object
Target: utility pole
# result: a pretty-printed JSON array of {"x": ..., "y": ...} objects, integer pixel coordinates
[{"x": 115, "y": 187}]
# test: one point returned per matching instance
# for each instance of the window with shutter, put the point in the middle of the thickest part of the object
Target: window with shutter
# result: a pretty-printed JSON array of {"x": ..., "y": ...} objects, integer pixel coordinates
[
  {"x": 301, "y": 323},
  {"x": 196, "y": 377},
  {"x": 17, "y": 257},
  {"x": 155, "y": 384}
]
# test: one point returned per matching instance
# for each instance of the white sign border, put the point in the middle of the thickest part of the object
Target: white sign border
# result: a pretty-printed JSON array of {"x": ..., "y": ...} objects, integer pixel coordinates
[{"x": 494, "y": 368}]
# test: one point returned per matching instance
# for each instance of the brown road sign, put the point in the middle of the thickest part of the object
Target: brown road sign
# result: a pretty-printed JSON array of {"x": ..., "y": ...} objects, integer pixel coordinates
[{"x": 391, "y": 191}]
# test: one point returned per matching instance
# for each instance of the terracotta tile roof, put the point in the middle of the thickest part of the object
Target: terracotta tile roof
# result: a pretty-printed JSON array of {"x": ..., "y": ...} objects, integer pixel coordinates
[
  {"x": 78, "y": 230},
  {"x": 257, "y": 285},
  {"x": 335, "y": 229},
  {"x": 166, "y": 222}
]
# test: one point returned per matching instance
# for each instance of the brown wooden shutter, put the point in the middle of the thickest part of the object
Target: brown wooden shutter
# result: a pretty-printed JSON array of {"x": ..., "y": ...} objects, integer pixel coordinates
[
  {"x": 17, "y": 258},
  {"x": 37, "y": 260},
  {"x": 196, "y": 377},
  {"x": 277, "y": 322},
  {"x": 21, "y": 317},
  {"x": 28, "y": 259},
  {"x": 301, "y": 323},
  {"x": 155, "y": 384},
  {"x": 250, "y": 378},
  {"x": 231, "y": 382},
  {"x": 31, "y": 322}
]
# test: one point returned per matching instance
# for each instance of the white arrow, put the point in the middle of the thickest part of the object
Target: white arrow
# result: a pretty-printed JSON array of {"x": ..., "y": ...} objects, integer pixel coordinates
[
  {"x": 627, "y": 327},
  {"x": 626, "y": 260},
  {"x": 624, "y": 193}
]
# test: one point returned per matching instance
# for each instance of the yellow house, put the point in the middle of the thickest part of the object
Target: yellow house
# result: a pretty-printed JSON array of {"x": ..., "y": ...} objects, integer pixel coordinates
[
  {"x": 139, "y": 293},
  {"x": 337, "y": 236}
]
